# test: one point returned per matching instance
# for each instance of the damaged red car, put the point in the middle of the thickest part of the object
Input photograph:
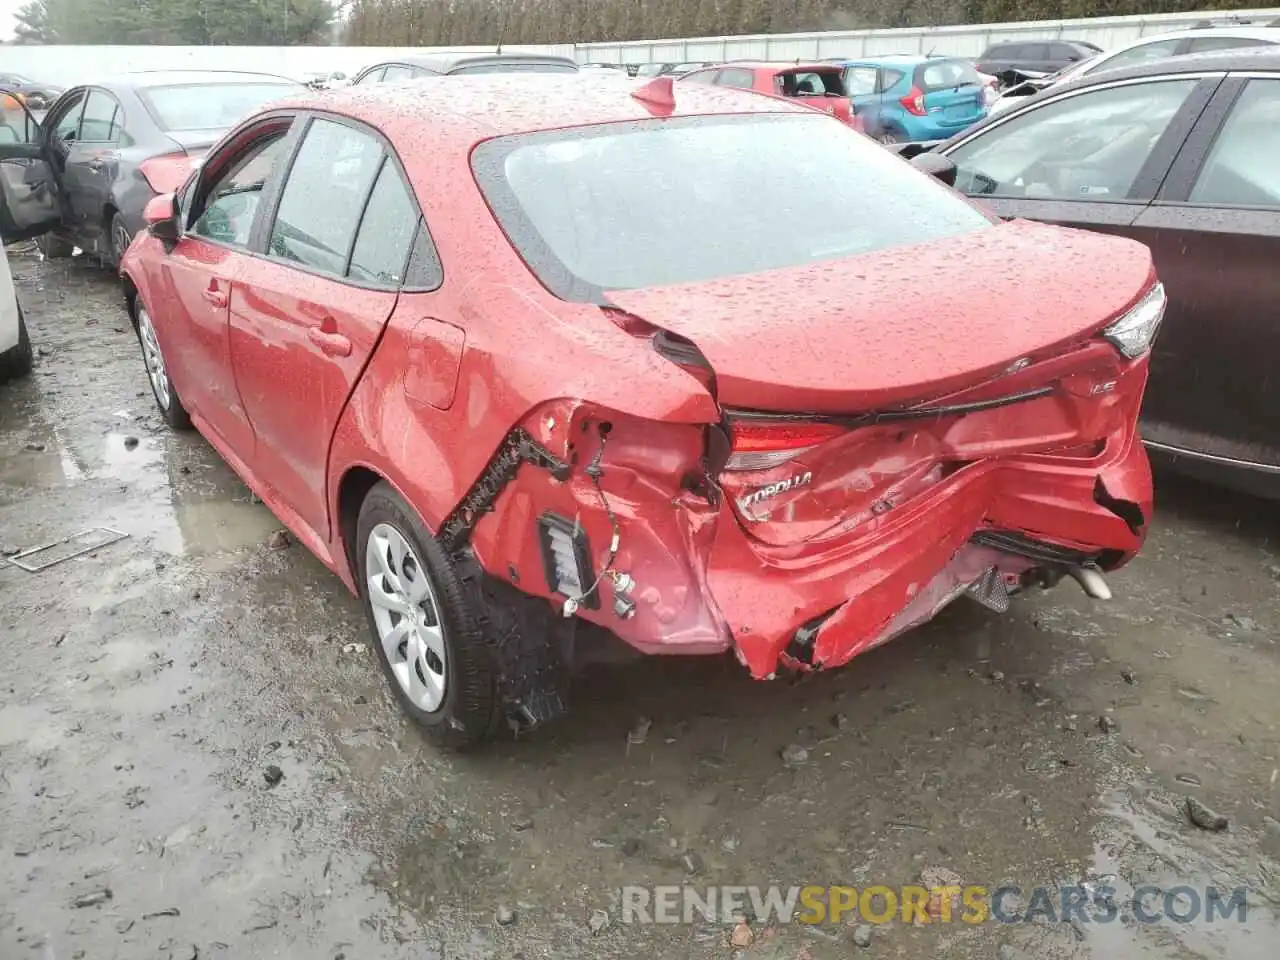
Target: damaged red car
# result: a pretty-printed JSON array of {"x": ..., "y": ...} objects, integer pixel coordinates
[{"x": 518, "y": 358}]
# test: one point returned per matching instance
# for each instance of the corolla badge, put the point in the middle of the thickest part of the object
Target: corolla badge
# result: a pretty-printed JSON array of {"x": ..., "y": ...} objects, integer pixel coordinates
[{"x": 773, "y": 489}]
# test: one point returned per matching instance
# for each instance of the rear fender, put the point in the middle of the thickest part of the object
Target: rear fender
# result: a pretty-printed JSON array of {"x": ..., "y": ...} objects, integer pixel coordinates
[{"x": 635, "y": 480}]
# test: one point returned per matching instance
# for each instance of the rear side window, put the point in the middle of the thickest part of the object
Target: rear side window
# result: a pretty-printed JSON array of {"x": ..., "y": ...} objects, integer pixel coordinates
[
  {"x": 1065, "y": 51},
  {"x": 1003, "y": 51},
  {"x": 946, "y": 75},
  {"x": 741, "y": 79},
  {"x": 386, "y": 231},
  {"x": 1156, "y": 50},
  {"x": 324, "y": 196},
  {"x": 889, "y": 79},
  {"x": 66, "y": 126},
  {"x": 101, "y": 122},
  {"x": 613, "y": 206},
  {"x": 534, "y": 67},
  {"x": 1241, "y": 170}
]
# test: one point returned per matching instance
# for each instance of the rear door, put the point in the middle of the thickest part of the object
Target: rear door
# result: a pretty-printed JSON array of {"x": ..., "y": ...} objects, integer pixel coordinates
[
  {"x": 1214, "y": 230},
  {"x": 1091, "y": 158},
  {"x": 91, "y": 164},
  {"x": 307, "y": 313}
]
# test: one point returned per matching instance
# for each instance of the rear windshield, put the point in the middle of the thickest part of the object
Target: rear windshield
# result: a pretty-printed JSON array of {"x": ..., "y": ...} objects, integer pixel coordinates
[
  {"x": 532, "y": 67},
  {"x": 946, "y": 75},
  {"x": 812, "y": 83},
  {"x": 209, "y": 106},
  {"x": 657, "y": 202}
]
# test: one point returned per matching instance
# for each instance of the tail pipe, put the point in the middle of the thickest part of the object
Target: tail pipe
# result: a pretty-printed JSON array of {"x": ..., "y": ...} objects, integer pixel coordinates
[{"x": 1091, "y": 581}]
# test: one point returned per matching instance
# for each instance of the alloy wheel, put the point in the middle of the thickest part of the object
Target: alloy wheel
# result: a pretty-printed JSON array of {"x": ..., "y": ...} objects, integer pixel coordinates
[
  {"x": 406, "y": 617},
  {"x": 120, "y": 240},
  {"x": 154, "y": 359}
]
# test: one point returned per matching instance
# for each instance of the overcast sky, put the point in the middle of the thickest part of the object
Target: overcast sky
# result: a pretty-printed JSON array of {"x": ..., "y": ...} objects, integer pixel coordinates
[{"x": 7, "y": 9}]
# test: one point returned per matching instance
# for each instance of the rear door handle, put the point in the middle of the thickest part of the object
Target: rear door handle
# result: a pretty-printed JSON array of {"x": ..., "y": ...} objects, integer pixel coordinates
[
  {"x": 330, "y": 344},
  {"x": 215, "y": 296}
]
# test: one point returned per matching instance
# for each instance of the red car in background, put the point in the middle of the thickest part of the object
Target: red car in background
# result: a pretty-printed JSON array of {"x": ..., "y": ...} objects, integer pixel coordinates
[
  {"x": 818, "y": 85},
  {"x": 534, "y": 367}
]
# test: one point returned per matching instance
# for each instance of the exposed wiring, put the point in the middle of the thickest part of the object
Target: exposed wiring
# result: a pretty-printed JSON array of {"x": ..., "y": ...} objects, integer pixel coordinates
[{"x": 595, "y": 472}]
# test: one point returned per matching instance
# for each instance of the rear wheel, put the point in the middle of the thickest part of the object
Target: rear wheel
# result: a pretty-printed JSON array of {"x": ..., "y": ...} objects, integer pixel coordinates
[
  {"x": 889, "y": 136},
  {"x": 427, "y": 638},
  {"x": 16, "y": 361},
  {"x": 120, "y": 239},
  {"x": 162, "y": 388}
]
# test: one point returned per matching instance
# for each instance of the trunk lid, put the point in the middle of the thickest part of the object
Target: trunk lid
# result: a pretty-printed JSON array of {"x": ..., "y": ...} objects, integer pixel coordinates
[{"x": 900, "y": 325}]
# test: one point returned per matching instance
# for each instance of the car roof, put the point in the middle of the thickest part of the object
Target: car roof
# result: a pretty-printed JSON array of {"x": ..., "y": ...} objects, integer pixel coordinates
[
  {"x": 141, "y": 79},
  {"x": 445, "y": 62},
  {"x": 1243, "y": 33},
  {"x": 778, "y": 66},
  {"x": 1241, "y": 58},
  {"x": 498, "y": 104}
]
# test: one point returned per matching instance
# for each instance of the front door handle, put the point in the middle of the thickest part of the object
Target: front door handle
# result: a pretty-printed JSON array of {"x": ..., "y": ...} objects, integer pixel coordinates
[
  {"x": 330, "y": 344},
  {"x": 96, "y": 164},
  {"x": 215, "y": 296}
]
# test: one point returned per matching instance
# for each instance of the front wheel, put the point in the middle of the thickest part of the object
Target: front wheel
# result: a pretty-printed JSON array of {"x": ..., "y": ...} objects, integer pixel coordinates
[
  {"x": 120, "y": 240},
  {"x": 162, "y": 388},
  {"x": 427, "y": 638},
  {"x": 16, "y": 361}
]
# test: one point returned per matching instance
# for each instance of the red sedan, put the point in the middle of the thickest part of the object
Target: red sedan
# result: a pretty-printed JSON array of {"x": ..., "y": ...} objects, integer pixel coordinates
[
  {"x": 512, "y": 356},
  {"x": 817, "y": 85}
]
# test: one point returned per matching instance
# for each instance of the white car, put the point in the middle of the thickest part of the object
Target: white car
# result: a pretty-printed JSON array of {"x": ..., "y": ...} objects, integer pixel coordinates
[
  {"x": 15, "y": 345},
  {"x": 1143, "y": 50}
]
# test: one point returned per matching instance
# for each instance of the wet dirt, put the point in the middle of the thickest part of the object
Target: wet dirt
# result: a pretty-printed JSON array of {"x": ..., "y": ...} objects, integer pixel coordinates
[{"x": 198, "y": 757}]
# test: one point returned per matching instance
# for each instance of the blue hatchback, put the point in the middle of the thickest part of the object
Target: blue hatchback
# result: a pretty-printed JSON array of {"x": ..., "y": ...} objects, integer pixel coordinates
[{"x": 914, "y": 97}]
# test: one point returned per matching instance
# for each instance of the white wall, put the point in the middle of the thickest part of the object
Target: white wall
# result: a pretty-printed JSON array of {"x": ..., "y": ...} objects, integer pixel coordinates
[{"x": 70, "y": 65}]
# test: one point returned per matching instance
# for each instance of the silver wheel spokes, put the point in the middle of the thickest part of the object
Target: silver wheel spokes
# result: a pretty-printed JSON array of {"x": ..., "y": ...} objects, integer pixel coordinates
[
  {"x": 121, "y": 240},
  {"x": 406, "y": 617},
  {"x": 154, "y": 359}
]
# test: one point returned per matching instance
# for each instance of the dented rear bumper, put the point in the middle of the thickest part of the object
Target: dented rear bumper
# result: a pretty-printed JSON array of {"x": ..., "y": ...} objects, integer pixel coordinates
[{"x": 862, "y": 591}]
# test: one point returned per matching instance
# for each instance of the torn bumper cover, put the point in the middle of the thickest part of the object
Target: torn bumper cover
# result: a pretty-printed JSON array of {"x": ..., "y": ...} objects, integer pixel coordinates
[{"x": 821, "y": 606}]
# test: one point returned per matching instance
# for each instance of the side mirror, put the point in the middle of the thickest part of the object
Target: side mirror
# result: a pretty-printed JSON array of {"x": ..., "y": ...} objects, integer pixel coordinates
[
  {"x": 161, "y": 214},
  {"x": 936, "y": 165}
]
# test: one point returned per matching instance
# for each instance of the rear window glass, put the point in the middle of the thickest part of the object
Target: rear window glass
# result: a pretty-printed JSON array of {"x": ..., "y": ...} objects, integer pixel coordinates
[
  {"x": 517, "y": 68},
  {"x": 615, "y": 206},
  {"x": 812, "y": 83},
  {"x": 946, "y": 75},
  {"x": 209, "y": 106}
]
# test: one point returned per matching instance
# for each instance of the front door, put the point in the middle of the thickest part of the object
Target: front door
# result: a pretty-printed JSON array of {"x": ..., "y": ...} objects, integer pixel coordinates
[
  {"x": 29, "y": 203},
  {"x": 307, "y": 314},
  {"x": 1214, "y": 230},
  {"x": 200, "y": 274}
]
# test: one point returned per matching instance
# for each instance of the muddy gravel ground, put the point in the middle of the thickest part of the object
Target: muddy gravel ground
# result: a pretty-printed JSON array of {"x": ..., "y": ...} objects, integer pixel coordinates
[{"x": 151, "y": 687}]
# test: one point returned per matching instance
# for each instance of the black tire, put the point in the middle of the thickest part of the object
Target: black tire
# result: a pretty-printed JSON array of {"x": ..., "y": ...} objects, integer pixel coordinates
[
  {"x": 54, "y": 247},
  {"x": 173, "y": 413},
  {"x": 888, "y": 136},
  {"x": 470, "y": 710},
  {"x": 118, "y": 240},
  {"x": 17, "y": 360}
]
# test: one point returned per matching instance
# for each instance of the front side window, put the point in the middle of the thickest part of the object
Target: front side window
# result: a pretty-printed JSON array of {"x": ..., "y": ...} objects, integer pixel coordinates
[
  {"x": 209, "y": 106},
  {"x": 700, "y": 76},
  {"x": 613, "y": 206},
  {"x": 373, "y": 76},
  {"x": 233, "y": 202},
  {"x": 1090, "y": 146},
  {"x": 396, "y": 72},
  {"x": 1241, "y": 170},
  {"x": 100, "y": 123},
  {"x": 322, "y": 198}
]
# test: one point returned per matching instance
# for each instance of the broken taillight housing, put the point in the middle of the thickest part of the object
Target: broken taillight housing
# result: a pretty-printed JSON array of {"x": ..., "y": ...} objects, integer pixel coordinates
[
  {"x": 761, "y": 444},
  {"x": 566, "y": 559},
  {"x": 1134, "y": 332},
  {"x": 167, "y": 172}
]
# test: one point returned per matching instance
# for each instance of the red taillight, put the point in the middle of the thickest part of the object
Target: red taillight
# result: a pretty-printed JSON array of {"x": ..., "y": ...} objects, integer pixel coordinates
[
  {"x": 763, "y": 444},
  {"x": 166, "y": 173},
  {"x": 913, "y": 102}
]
